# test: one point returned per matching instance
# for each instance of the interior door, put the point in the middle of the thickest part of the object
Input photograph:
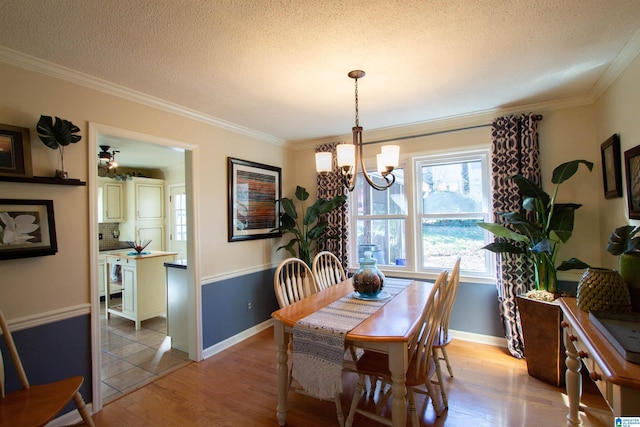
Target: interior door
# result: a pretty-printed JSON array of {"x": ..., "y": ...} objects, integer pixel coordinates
[{"x": 178, "y": 220}]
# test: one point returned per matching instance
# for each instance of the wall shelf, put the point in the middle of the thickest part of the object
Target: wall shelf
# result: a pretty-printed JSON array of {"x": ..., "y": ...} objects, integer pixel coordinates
[{"x": 43, "y": 180}]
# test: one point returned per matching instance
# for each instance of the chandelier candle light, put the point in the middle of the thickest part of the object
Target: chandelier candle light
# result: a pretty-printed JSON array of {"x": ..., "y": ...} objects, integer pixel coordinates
[{"x": 350, "y": 155}]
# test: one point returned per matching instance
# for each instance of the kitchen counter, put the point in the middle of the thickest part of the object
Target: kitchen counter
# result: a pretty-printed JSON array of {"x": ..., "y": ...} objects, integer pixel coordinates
[
  {"x": 179, "y": 263},
  {"x": 151, "y": 254},
  {"x": 121, "y": 246}
]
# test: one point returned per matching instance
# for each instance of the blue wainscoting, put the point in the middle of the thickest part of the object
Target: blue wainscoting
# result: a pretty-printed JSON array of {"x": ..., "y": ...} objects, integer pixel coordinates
[
  {"x": 52, "y": 352},
  {"x": 224, "y": 305}
]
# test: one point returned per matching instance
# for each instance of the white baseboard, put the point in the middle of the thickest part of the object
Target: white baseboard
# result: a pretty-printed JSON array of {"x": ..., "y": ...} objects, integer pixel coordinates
[
  {"x": 479, "y": 338},
  {"x": 223, "y": 345}
]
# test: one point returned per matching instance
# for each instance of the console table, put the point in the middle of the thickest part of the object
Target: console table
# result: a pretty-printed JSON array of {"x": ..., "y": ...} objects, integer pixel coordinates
[{"x": 617, "y": 379}]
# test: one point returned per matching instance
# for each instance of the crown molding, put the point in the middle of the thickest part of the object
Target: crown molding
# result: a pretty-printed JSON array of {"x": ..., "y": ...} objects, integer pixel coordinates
[
  {"x": 617, "y": 66},
  {"x": 29, "y": 62},
  {"x": 448, "y": 124}
]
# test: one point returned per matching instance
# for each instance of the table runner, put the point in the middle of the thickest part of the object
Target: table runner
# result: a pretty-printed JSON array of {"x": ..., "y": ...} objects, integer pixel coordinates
[{"x": 318, "y": 340}]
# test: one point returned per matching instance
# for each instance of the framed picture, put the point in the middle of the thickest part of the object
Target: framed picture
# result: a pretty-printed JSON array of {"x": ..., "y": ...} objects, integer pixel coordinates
[
  {"x": 28, "y": 228},
  {"x": 611, "y": 168},
  {"x": 253, "y": 191},
  {"x": 15, "y": 151},
  {"x": 632, "y": 165}
]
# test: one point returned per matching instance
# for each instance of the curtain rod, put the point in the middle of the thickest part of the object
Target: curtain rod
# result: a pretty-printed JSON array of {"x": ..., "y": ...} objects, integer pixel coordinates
[{"x": 380, "y": 141}]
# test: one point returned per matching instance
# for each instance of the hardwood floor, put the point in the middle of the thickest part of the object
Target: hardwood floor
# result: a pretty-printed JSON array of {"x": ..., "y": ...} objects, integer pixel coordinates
[{"x": 237, "y": 387}]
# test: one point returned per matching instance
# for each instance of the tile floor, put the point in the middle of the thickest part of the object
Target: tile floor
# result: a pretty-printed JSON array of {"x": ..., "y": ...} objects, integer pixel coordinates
[{"x": 130, "y": 358}]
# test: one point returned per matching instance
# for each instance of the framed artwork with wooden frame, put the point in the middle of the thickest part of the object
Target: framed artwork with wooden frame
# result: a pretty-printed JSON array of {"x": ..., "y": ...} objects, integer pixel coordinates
[
  {"x": 611, "y": 167},
  {"x": 632, "y": 166},
  {"x": 254, "y": 189},
  {"x": 28, "y": 228},
  {"x": 15, "y": 151}
]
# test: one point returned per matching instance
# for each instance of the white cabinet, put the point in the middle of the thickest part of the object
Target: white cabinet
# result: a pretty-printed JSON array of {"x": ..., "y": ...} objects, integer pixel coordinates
[
  {"x": 142, "y": 282},
  {"x": 111, "y": 196},
  {"x": 145, "y": 212},
  {"x": 102, "y": 274}
]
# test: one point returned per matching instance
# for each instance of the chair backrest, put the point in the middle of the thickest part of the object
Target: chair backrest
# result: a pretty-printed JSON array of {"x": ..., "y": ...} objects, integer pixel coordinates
[
  {"x": 451, "y": 293},
  {"x": 420, "y": 346},
  {"x": 327, "y": 270},
  {"x": 293, "y": 281},
  {"x": 14, "y": 356}
]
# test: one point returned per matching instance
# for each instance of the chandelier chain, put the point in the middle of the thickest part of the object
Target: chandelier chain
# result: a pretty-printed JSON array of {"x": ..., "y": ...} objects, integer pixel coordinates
[{"x": 357, "y": 112}]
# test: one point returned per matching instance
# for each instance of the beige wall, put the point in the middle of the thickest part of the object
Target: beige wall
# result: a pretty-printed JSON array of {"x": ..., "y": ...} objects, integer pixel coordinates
[
  {"x": 617, "y": 112},
  {"x": 43, "y": 284},
  {"x": 565, "y": 134}
]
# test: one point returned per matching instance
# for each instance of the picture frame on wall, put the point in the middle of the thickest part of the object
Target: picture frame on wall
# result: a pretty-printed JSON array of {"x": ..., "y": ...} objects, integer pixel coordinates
[
  {"x": 15, "y": 151},
  {"x": 28, "y": 228},
  {"x": 254, "y": 189},
  {"x": 611, "y": 167},
  {"x": 632, "y": 166}
]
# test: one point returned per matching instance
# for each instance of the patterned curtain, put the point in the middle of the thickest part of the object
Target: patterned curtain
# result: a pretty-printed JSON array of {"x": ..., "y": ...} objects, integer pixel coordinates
[
  {"x": 514, "y": 151},
  {"x": 328, "y": 187}
]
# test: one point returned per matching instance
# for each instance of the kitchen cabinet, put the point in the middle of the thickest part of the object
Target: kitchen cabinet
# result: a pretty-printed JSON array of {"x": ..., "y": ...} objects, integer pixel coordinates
[
  {"x": 102, "y": 274},
  {"x": 110, "y": 200},
  {"x": 145, "y": 212},
  {"x": 141, "y": 280}
]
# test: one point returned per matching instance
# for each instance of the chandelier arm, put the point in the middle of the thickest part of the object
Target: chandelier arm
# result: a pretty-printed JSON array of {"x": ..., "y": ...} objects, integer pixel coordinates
[{"x": 357, "y": 140}]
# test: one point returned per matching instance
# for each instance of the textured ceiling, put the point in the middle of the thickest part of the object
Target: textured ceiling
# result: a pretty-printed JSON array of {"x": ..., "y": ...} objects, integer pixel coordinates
[{"x": 280, "y": 67}]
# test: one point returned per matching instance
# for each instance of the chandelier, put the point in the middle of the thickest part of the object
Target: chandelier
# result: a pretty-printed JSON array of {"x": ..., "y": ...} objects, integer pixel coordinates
[
  {"x": 106, "y": 158},
  {"x": 350, "y": 155}
]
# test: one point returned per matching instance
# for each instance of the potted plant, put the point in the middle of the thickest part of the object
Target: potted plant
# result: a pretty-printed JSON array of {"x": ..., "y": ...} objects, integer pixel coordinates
[
  {"x": 625, "y": 243},
  {"x": 537, "y": 235},
  {"x": 307, "y": 230},
  {"x": 57, "y": 136}
]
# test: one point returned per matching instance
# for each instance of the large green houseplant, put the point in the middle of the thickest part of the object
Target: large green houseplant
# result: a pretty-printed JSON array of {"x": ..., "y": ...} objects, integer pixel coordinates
[
  {"x": 536, "y": 233},
  {"x": 537, "y": 236},
  {"x": 307, "y": 229}
]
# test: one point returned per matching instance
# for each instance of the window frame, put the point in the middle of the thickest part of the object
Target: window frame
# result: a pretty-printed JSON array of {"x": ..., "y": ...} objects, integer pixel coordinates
[
  {"x": 412, "y": 166},
  {"x": 456, "y": 157}
]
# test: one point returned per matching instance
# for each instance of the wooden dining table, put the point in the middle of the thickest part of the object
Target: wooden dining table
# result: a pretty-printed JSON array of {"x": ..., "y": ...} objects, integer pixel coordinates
[{"x": 388, "y": 330}]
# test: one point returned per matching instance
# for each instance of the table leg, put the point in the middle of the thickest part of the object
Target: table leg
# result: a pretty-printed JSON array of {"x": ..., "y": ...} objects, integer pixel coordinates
[
  {"x": 398, "y": 363},
  {"x": 282, "y": 371},
  {"x": 573, "y": 378}
]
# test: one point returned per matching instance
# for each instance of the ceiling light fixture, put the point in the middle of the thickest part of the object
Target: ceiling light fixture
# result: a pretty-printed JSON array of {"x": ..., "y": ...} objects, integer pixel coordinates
[
  {"x": 107, "y": 158},
  {"x": 350, "y": 155}
]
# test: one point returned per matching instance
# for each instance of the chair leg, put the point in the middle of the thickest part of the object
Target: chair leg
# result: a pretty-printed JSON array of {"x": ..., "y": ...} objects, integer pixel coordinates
[
  {"x": 82, "y": 408},
  {"x": 412, "y": 408},
  {"x": 446, "y": 359},
  {"x": 339, "y": 412},
  {"x": 356, "y": 398},
  {"x": 432, "y": 393}
]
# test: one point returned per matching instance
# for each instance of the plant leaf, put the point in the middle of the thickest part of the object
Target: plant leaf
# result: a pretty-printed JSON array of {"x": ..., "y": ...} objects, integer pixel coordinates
[
  {"x": 567, "y": 170},
  {"x": 301, "y": 193},
  {"x": 573, "y": 264},
  {"x": 562, "y": 221},
  {"x": 500, "y": 247},
  {"x": 502, "y": 231}
]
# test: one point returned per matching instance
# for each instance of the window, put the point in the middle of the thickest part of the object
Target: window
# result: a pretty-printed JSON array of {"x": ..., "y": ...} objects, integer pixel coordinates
[
  {"x": 453, "y": 197},
  {"x": 447, "y": 195},
  {"x": 379, "y": 219},
  {"x": 180, "y": 217}
]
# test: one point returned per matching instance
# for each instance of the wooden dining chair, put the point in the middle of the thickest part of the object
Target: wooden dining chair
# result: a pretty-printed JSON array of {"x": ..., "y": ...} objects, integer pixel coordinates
[
  {"x": 293, "y": 281},
  {"x": 443, "y": 338},
  {"x": 327, "y": 270},
  {"x": 38, "y": 404},
  {"x": 421, "y": 367}
]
